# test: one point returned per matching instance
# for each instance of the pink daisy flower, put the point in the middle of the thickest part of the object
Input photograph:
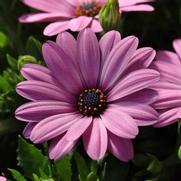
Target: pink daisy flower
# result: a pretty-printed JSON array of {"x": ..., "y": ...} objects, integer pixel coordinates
[
  {"x": 97, "y": 91},
  {"x": 169, "y": 87},
  {"x": 75, "y": 14}
]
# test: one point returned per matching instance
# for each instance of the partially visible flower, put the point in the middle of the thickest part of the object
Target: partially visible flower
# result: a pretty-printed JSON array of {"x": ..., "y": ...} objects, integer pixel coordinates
[
  {"x": 169, "y": 87},
  {"x": 75, "y": 15},
  {"x": 2, "y": 178},
  {"x": 95, "y": 90}
]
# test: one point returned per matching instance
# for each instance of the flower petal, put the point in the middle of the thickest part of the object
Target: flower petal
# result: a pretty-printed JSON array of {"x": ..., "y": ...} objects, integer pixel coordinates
[
  {"x": 59, "y": 147},
  {"x": 133, "y": 82},
  {"x": 177, "y": 47},
  {"x": 55, "y": 28},
  {"x": 28, "y": 129},
  {"x": 117, "y": 61},
  {"x": 107, "y": 42},
  {"x": 120, "y": 147},
  {"x": 89, "y": 56},
  {"x": 168, "y": 117},
  {"x": 38, "y": 90},
  {"x": 79, "y": 23},
  {"x": 137, "y": 8},
  {"x": 53, "y": 126},
  {"x": 62, "y": 67},
  {"x": 36, "y": 111},
  {"x": 132, "y": 2},
  {"x": 95, "y": 140},
  {"x": 119, "y": 123},
  {"x": 143, "y": 114},
  {"x": 96, "y": 26}
]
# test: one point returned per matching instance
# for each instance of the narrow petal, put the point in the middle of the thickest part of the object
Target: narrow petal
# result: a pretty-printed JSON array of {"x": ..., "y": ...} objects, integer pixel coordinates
[
  {"x": 133, "y": 82},
  {"x": 137, "y": 8},
  {"x": 28, "y": 129},
  {"x": 107, "y": 42},
  {"x": 142, "y": 58},
  {"x": 177, "y": 47},
  {"x": 36, "y": 111},
  {"x": 43, "y": 17},
  {"x": 62, "y": 65},
  {"x": 95, "y": 140},
  {"x": 89, "y": 56},
  {"x": 143, "y": 114},
  {"x": 168, "y": 117},
  {"x": 119, "y": 123},
  {"x": 132, "y": 2},
  {"x": 79, "y": 23},
  {"x": 59, "y": 147},
  {"x": 49, "y": 5},
  {"x": 55, "y": 28},
  {"x": 37, "y": 72},
  {"x": 168, "y": 56},
  {"x": 117, "y": 61},
  {"x": 168, "y": 99},
  {"x": 78, "y": 128},
  {"x": 120, "y": 147},
  {"x": 53, "y": 126},
  {"x": 96, "y": 26},
  {"x": 38, "y": 90}
]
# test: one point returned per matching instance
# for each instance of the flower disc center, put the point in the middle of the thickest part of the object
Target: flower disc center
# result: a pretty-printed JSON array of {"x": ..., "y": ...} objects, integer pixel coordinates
[
  {"x": 90, "y": 9},
  {"x": 92, "y": 102}
]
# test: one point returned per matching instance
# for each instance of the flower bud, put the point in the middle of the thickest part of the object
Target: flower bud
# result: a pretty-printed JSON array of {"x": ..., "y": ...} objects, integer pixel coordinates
[
  {"x": 110, "y": 16},
  {"x": 25, "y": 59}
]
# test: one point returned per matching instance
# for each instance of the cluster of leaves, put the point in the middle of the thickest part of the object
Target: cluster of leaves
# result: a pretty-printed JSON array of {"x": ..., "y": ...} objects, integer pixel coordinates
[{"x": 158, "y": 151}]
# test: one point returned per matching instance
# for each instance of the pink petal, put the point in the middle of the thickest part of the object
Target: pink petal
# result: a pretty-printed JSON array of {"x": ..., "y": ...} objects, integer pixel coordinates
[
  {"x": 79, "y": 23},
  {"x": 143, "y": 114},
  {"x": 59, "y": 147},
  {"x": 169, "y": 117},
  {"x": 123, "y": 3},
  {"x": 49, "y": 5},
  {"x": 53, "y": 126},
  {"x": 78, "y": 128},
  {"x": 96, "y": 26},
  {"x": 43, "y": 17},
  {"x": 168, "y": 56},
  {"x": 62, "y": 67},
  {"x": 120, "y": 147},
  {"x": 55, "y": 28},
  {"x": 133, "y": 82},
  {"x": 177, "y": 47},
  {"x": 89, "y": 56},
  {"x": 36, "y": 111},
  {"x": 137, "y": 8},
  {"x": 95, "y": 140},
  {"x": 28, "y": 129},
  {"x": 107, "y": 43},
  {"x": 117, "y": 61},
  {"x": 38, "y": 90},
  {"x": 119, "y": 122},
  {"x": 142, "y": 58},
  {"x": 37, "y": 72}
]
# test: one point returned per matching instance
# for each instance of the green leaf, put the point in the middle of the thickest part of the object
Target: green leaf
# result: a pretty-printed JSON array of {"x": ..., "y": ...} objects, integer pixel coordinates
[
  {"x": 3, "y": 40},
  {"x": 63, "y": 168},
  {"x": 30, "y": 159},
  {"x": 82, "y": 166},
  {"x": 11, "y": 61},
  {"x": 25, "y": 59},
  {"x": 17, "y": 175},
  {"x": 179, "y": 152}
]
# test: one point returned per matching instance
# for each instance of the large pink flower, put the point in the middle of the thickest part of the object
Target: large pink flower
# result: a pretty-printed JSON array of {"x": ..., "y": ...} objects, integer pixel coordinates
[
  {"x": 2, "y": 178},
  {"x": 95, "y": 90},
  {"x": 169, "y": 87},
  {"x": 74, "y": 14}
]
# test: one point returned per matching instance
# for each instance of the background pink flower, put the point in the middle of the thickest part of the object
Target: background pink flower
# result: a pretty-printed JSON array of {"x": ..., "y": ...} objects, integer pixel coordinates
[
  {"x": 169, "y": 87},
  {"x": 95, "y": 90},
  {"x": 75, "y": 14},
  {"x": 2, "y": 178}
]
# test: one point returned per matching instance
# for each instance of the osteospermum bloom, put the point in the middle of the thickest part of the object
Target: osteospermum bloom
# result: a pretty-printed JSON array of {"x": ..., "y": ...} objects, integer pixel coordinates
[
  {"x": 97, "y": 91},
  {"x": 75, "y": 14},
  {"x": 169, "y": 87},
  {"x": 2, "y": 178}
]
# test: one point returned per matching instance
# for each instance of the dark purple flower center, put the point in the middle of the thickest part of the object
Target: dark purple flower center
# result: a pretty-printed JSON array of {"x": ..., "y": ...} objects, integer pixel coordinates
[
  {"x": 92, "y": 102},
  {"x": 90, "y": 9}
]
